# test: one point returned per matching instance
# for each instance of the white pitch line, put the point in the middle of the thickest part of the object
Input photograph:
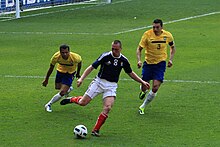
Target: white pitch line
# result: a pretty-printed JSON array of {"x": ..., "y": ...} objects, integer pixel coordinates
[
  {"x": 53, "y": 33},
  {"x": 169, "y": 22},
  {"x": 107, "y": 34},
  {"x": 122, "y": 79}
]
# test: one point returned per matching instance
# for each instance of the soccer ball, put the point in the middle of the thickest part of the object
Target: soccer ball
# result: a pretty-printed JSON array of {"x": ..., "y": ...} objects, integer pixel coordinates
[{"x": 80, "y": 131}]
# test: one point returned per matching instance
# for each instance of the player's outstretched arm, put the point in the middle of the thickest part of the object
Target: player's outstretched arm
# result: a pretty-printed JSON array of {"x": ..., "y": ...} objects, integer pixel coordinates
[
  {"x": 172, "y": 52},
  {"x": 138, "y": 53},
  {"x": 78, "y": 69},
  {"x": 84, "y": 75},
  {"x": 134, "y": 76},
  {"x": 50, "y": 70}
]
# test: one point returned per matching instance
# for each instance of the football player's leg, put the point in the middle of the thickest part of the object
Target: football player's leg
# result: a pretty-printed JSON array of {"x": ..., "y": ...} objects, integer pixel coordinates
[
  {"x": 55, "y": 98},
  {"x": 152, "y": 93},
  {"x": 68, "y": 81},
  {"x": 91, "y": 92},
  {"x": 107, "y": 106},
  {"x": 157, "y": 76},
  {"x": 146, "y": 76}
]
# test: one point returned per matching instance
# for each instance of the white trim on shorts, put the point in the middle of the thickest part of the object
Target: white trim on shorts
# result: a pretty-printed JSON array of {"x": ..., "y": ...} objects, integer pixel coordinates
[{"x": 98, "y": 86}]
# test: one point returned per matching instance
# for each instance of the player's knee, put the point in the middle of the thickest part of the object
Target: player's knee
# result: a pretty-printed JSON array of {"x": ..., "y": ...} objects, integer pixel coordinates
[
  {"x": 57, "y": 86},
  {"x": 82, "y": 102},
  {"x": 107, "y": 108},
  {"x": 155, "y": 89},
  {"x": 62, "y": 92}
]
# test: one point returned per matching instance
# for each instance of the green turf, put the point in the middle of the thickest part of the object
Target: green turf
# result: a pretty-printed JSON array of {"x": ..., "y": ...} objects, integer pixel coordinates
[{"x": 183, "y": 113}]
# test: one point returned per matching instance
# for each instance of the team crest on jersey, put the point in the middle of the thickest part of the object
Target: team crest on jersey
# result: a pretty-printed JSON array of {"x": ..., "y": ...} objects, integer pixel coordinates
[
  {"x": 165, "y": 38},
  {"x": 121, "y": 63},
  {"x": 108, "y": 63}
]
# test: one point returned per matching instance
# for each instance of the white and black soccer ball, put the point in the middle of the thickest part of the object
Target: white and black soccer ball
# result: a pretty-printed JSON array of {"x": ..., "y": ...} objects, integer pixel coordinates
[{"x": 80, "y": 131}]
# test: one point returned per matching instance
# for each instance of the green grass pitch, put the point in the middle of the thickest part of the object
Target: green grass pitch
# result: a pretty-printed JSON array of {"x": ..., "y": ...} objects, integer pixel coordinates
[{"x": 185, "y": 112}]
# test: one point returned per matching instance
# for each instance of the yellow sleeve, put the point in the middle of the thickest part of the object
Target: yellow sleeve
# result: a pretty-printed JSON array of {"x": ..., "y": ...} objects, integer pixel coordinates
[
  {"x": 143, "y": 42},
  {"x": 54, "y": 58},
  {"x": 170, "y": 38},
  {"x": 78, "y": 59}
]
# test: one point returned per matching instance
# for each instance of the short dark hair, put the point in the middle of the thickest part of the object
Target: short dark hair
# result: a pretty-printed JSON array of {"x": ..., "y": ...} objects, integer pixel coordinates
[
  {"x": 116, "y": 42},
  {"x": 158, "y": 21},
  {"x": 64, "y": 46}
]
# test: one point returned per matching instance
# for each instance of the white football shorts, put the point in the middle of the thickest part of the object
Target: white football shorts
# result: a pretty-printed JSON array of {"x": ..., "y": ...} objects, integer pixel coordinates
[{"x": 98, "y": 86}]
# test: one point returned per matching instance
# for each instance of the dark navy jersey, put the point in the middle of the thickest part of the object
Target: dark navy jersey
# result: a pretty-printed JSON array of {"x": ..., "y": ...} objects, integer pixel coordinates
[{"x": 111, "y": 66}]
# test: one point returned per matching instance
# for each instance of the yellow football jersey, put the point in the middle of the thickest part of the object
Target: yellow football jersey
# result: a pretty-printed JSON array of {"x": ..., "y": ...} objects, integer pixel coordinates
[
  {"x": 68, "y": 65},
  {"x": 155, "y": 46}
]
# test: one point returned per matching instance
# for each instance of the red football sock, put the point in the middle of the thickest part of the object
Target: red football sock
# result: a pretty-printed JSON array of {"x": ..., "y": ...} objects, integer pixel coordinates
[
  {"x": 75, "y": 99},
  {"x": 100, "y": 121}
]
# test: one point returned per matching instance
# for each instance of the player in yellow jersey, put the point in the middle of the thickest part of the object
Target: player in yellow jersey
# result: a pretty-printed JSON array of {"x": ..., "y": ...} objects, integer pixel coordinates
[
  {"x": 155, "y": 42},
  {"x": 69, "y": 66}
]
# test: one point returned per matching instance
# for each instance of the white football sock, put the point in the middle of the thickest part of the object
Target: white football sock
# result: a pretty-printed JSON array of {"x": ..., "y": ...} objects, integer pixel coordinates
[
  {"x": 149, "y": 98},
  {"x": 69, "y": 90},
  {"x": 55, "y": 98}
]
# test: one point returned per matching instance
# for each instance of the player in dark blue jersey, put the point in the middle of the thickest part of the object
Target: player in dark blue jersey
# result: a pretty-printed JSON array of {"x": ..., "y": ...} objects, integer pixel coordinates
[
  {"x": 105, "y": 82},
  {"x": 111, "y": 66}
]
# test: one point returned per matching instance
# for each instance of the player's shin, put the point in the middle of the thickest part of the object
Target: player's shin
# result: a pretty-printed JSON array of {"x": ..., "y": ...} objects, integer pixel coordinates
[
  {"x": 55, "y": 98},
  {"x": 69, "y": 90},
  {"x": 100, "y": 121},
  {"x": 149, "y": 98}
]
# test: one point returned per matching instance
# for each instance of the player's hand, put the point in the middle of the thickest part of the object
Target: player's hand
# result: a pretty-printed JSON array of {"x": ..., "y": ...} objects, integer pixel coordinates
[
  {"x": 139, "y": 64},
  {"x": 170, "y": 63},
  {"x": 79, "y": 82},
  {"x": 145, "y": 86},
  {"x": 44, "y": 83}
]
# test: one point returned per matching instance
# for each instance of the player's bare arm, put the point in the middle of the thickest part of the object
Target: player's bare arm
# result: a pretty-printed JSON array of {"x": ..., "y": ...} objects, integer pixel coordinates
[
  {"x": 134, "y": 76},
  {"x": 138, "y": 53},
  {"x": 50, "y": 70},
  {"x": 172, "y": 52},
  {"x": 78, "y": 70},
  {"x": 84, "y": 75}
]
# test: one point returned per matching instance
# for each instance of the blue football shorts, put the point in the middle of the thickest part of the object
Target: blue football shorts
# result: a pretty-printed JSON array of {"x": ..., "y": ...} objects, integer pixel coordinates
[
  {"x": 153, "y": 71},
  {"x": 64, "y": 78}
]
